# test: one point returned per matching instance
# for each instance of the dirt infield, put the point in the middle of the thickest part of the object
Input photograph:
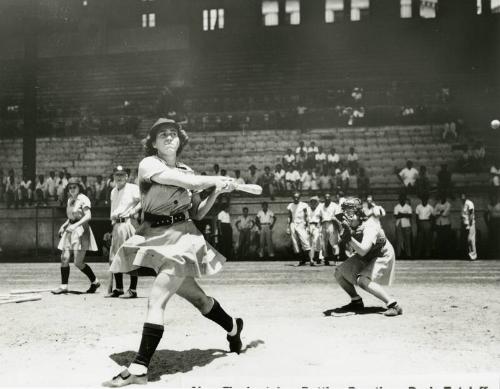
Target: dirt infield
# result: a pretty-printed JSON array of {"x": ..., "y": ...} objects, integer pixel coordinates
[{"x": 451, "y": 312}]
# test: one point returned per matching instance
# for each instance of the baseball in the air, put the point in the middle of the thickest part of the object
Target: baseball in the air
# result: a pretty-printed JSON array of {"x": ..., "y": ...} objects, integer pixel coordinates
[{"x": 495, "y": 124}]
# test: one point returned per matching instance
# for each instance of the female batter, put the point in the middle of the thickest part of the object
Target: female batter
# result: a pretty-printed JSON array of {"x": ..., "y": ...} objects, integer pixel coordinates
[
  {"x": 373, "y": 261},
  {"x": 168, "y": 242},
  {"x": 76, "y": 237}
]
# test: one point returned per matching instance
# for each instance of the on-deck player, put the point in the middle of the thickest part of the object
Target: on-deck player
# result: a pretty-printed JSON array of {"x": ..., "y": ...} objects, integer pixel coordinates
[
  {"x": 76, "y": 237},
  {"x": 329, "y": 229},
  {"x": 125, "y": 204},
  {"x": 314, "y": 230},
  {"x": 372, "y": 263},
  {"x": 298, "y": 221},
  {"x": 168, "y": 242}
]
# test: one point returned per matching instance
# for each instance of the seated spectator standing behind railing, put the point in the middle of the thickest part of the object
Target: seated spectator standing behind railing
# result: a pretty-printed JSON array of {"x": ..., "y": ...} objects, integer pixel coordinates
[
  {"x": 292, "y": 179},
  {"x": 444, "y": 185},
  {"x": 333, "y": 159},
  {"x": 51, "y": 186},
  {"x": 244, "y": 225},
  {"x": 352, "y": 161},
  {"x": 266, "y": 180},
  {"x": 363, "y": 183},
  {"x": 11, "y": 191},
  {"x": 408, "y": 176},
  {"x": 279, "y": 178},
  {"x": 288, "y": 159},
  {"x": 320, "y": 159},
  {"x": 25, "y": 191},
  {"x": 252, "y": 177}
]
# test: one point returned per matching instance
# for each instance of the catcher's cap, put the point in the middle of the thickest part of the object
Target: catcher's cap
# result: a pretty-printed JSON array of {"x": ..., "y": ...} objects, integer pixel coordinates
[
  {"x": 314, "y": 198},
  {"x": 119, "y": 170},
  {"x": 352, "y": 204}
]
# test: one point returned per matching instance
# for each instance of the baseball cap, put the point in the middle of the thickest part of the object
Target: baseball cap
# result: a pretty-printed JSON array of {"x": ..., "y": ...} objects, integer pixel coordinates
[{"x": 119, "y": 169}]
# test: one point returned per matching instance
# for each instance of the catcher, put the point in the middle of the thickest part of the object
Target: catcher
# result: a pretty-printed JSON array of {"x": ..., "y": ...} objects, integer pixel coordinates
[{"x": 372, "y": 262}]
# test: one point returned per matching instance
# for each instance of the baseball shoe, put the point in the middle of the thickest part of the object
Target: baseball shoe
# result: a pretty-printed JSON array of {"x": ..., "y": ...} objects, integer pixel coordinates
[
  {"x": 312, "y": 263},
  {"x": 235, "y": 341},
  {"x": 93, "y": 287},
  {"x": 327, "y": 263},
  {"x": 114, "y": 293},
  {"x": 125, "y": 378},
  {"x": 130, "y": 294},
  {"x": 395, "y": 310},
  {"x": 60, "y": 291},
  {"x": 353, "y": 306}
]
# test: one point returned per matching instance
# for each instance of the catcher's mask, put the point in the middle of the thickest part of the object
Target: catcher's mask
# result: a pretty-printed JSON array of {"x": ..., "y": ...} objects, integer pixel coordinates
[{"x": 352, "y": 208}]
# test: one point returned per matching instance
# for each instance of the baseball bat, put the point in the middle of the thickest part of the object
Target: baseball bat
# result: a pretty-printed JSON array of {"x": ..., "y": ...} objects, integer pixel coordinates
[
  {"x": 27, "y": 291},
  {"x": 23, "y": 299},
  {"x": 249, "y": 188}
]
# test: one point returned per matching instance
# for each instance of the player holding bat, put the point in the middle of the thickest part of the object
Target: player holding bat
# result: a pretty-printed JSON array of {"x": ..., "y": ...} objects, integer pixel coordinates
[
  {"x": 373, "y": 260},
  {"x": 169, "y": 243}
]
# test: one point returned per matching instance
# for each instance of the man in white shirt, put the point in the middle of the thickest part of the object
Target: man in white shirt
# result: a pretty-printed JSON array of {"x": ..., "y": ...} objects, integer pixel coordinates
[
  {"x": 332, "y": 158},
  {"x": 125, "y": 201},
  {"x": 408, "y": 175},
  {"x": 320, "y": 158},
  {"x": 292, "y": 178},
  {"x": 298, "y": 222},
  {"x": 403, "y": 213},
  {"x": 306, "y": 179},
  {"x": 51, "y": 185},
  {"x": 469, "y": 226},
  {"x": 424, "y": 213},
  {"x": 443, "y": 227},
  {"x": 265, "y": 220},
  {"x": 239, "y": 179},
  {"x": 352, "y": 160},
  {"x": 225, "y": 238},
  {"x": 244, "y": 225},
  {"x": 288, "y": 159},
  {"x": 279, "y": 178},
  {"x": 315, "y": 238},
  {"x": 329, "y": 228}
]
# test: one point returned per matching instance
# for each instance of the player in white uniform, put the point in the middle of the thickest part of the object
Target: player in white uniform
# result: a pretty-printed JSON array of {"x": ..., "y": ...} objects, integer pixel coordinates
[
  {"x": 125, "y": 204},
  {"x": 168, "y": 242},
  {"x": 372, "y": 263},
  {"x": 469, "y": 226},
  {"x": 298, "y": 221},
  {"x": 315, "y": 230},
  {"x": 329, "y": 229}
]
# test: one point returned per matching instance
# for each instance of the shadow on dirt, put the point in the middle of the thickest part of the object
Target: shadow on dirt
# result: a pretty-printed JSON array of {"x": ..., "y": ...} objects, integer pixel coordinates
[
  {"x": 339, "y": 312},
  {"x": 172, "y": 361}
]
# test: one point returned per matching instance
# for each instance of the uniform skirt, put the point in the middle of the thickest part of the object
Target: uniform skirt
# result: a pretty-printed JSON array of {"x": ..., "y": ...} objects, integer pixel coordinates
[
  {"x": 81, "y": 239},
  {"x": 179, "y": 250},
  {"x": 379, "y": 269},
  {"x": 121, "y": 232}
]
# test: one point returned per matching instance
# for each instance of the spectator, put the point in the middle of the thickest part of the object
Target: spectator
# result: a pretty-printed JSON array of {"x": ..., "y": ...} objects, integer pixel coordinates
[
  {"x": 279, "y": 178},
  {"x": 325, "y": 181},
  {"x": 424, "y": 213},
  {"x": 363, "y": 183},
  {"x": 468, "y": 230},
  {"x": 301, "y": 113},
  {"x": 403, "y": 214},
  {"x": 244, "y": 225},
  {"x": 239, "y": 179},
  {"x": 62, "y": 183},
  {"x": 444, "y": 185},
  {"x": 225, "y": 241},
  {"x": 301, "y": 149},
  {"x": 41, "y": 191},
  {"x": 370, "y": 208},
  {"x": 11, "y": 191},
  {"x": 288, "y": 159},
  {"x": 51, "y": 185},
  {"x": 252, "y": 177},
  {"x": 292, "y": 178},
  {"x": 465, "y": 162},
  {"x": 301, "y": 160},
  {"x": 312, "y": 150},
  {"x": 495, "y": 175},
  {"x": 493, "y": 222},
  {"x": 408, "y": 176},
  {"x": 216, "y": 170},
  {"x": 344, "y": 177},
  {"x": 25, "y": 191},
  {"x": 443, "y": 228},
  {"x": 266, "y": 180},
  {"x": 333, "y": 159},
  {"x": 315, "y": 179},
  {"x": 450, "y": 128},
  {"x": 352, "y": 161},
  {"x": 306, "y": 179},
  {"x": 265, "y": 220},
  {"x": 110, "y": 184},
  {"x": 422, "y": 184},
  {"x": 99, "y": 190},
  {"x": 320, "y": 158},
  {"x": 223, "y": 173}
]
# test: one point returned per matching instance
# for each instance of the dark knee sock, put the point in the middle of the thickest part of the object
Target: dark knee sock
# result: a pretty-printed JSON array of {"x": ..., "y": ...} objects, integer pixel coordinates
[
  {"x": 64, "y": 275},
  {"x": 218, "y": 315},
  {"x": 133, "y": 282},
  {"x": 119, "y": 280},
  {"x": 88, "y": 272},
  {"x": 305, "y": 256},
  {"x": 151, "y": 336}
]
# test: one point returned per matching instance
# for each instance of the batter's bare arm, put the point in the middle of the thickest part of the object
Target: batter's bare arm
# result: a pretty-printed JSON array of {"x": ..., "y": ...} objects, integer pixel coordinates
[{"x": 188, "y": 181}]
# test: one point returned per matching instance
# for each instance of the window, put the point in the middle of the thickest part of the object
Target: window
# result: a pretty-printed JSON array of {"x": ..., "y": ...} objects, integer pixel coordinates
[
  {"x": 213, "y": 19},
  {"x": 292, "y": 10},
  {"x": 148, "y": 20},
  {"x": 428, "y": 9},
  {"x": 406, "y": 9},
  {"x": 270, "y": 13},
  {"x": 359, "y": 9},
  {"x": 334, "y": 10}
]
